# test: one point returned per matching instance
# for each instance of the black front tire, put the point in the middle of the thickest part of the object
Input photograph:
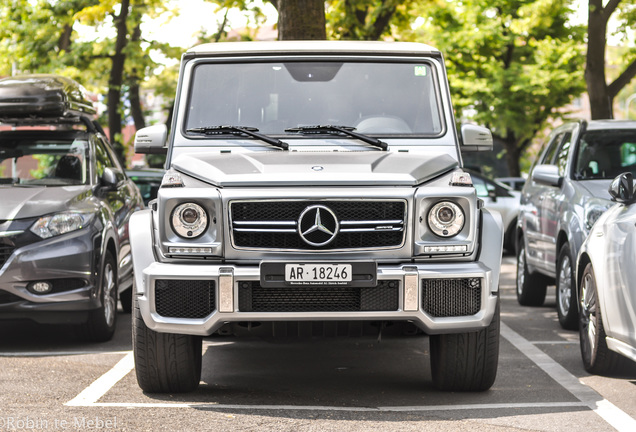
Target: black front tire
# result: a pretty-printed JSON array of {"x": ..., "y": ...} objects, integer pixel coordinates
[
  {"x": 531, "y": 287},
  {"x": 567, "y": 308},
  {"x": 466, "y": 361},
  {"x": 597, "y": 357},
  {"x": 102, "y": 321},
  {"x": 165, "y": 362}
]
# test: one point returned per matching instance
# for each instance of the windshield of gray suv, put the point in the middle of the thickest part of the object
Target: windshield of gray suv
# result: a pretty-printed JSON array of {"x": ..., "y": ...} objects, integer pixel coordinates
[
  {"x": 374, "y": 98},
  {"x": 42, "y": 161},
  {"x": 604, "y": 154}
]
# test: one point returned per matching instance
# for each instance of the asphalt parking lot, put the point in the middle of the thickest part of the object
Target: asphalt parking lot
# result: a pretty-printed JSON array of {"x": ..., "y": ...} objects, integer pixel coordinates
[{"x": 50, "y": 380}]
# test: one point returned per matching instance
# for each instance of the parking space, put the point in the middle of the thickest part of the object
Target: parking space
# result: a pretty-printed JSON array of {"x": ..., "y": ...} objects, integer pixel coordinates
[{"x": 326, "y": 384}]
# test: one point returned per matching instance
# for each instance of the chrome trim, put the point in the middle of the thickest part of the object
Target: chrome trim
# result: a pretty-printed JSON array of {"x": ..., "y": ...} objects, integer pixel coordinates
[
  {"x": 373, "y": 222},
  {"x": 264, "y": 223}
]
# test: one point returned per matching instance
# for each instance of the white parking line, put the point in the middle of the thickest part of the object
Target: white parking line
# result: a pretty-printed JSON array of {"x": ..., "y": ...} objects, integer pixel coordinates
[
  {"x": 57, "y": 353},
  {"x": 586, "y": 395},
  {"x": 100, "y": 387},
  {"x": 604, "y": 408}
]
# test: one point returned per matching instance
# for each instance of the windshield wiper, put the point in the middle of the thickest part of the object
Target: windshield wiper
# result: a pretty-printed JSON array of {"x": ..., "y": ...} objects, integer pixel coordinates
[
  {"x": 239, "y": 130},
  {"x": 340, "y": 130}
]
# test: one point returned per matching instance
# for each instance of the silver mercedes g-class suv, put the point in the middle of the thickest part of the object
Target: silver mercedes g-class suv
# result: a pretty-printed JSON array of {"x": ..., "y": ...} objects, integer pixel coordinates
[{"x": 311, "y": 183}]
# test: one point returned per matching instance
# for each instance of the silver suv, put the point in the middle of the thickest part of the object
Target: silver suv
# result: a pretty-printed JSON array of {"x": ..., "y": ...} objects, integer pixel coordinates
[
  {"x": 311, "y": 184},
  {"x": 565, "y": 194}
]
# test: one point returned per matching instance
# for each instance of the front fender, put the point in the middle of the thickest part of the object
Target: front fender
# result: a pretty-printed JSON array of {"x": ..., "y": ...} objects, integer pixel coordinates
[
  {"x": 141, "y": 243},
  {"x": 491, "y": 244}
]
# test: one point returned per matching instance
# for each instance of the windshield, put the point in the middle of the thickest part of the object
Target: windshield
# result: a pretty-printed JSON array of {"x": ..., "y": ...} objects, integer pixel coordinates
[
  {"x": 604, "y": 154},
  {"x": 375, "y": 98},
  {"x": 41, "y": 161}
]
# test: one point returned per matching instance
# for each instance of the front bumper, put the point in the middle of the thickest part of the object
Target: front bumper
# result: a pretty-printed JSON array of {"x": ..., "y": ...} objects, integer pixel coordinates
[
  {"x": 67, "y": 262},
  {"x": 198, "y": 299}
]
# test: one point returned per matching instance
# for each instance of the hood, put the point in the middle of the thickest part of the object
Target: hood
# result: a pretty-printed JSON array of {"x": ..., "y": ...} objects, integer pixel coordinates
[
  {"x": 314, "y": 168},
  {"x": 597, "y": 188},
  {"x": 26, "y": 202}
]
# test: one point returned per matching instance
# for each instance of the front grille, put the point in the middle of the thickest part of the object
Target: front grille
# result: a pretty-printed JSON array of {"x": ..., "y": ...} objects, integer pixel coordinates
[
  {"x": 451, "y": 297},
  {"x": 254, "y": 298},
  {"x": 185, "y": 298},
  {"x": 275, "y": 224},
  {"x": 5, "y": 253}
]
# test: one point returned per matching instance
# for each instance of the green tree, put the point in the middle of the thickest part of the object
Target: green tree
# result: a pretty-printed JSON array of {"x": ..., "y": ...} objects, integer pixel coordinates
[
  {"x": 512, "y": 65},
  {"x": 371, "y": 19}
]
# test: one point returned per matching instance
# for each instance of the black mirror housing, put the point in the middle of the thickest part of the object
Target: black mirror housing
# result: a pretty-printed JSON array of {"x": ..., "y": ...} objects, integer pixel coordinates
[{"x": 622, "y": 188}]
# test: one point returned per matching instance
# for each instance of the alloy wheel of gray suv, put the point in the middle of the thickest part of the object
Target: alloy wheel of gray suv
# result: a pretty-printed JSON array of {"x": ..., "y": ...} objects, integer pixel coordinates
[
  {"x": 531, "y": 287},
  {"x": 565, "y": 293}
]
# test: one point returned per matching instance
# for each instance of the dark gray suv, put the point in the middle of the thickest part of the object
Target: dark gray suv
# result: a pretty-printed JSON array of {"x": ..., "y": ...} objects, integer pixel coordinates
[
  {"x": 66, "y": 201},
  {"x": 565, "y": 194}
]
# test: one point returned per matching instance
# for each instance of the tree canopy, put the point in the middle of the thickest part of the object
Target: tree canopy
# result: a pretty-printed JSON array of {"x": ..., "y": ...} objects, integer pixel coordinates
[{"x": 513, "y": 64}]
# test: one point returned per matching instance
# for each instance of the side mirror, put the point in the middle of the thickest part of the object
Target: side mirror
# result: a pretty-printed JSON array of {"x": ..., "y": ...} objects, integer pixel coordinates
[
  {"x": 476, "y": 138},
  {"x": 111, "y": 178},
  {"x": 151, "y": 139},
  {"x": 622, "y": 188},
  {"x": 547, "y": 174}
]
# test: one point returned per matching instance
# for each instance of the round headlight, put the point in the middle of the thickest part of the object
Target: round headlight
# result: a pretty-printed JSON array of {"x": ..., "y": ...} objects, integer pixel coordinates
[
  {"x": 189, "y": 220},
  {"x": 446, "y": 219}
]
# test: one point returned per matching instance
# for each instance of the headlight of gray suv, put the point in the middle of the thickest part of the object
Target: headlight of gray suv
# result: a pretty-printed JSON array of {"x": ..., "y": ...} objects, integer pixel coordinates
[
  {"x": 61, "y": 223},
  {"x": 189, "y": 220}
]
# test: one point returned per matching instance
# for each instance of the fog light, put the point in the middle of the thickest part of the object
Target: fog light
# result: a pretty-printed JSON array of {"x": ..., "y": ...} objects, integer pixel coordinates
[{"x": 41, "y": 287}]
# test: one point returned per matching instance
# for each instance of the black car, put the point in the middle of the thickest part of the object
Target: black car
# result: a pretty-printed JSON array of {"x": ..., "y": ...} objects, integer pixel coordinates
[{"x": 66, "y": 201}]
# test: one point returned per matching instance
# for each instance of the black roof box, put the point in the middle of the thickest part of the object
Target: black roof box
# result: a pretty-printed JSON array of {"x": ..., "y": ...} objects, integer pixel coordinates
[{"x": 42, "y": 96}]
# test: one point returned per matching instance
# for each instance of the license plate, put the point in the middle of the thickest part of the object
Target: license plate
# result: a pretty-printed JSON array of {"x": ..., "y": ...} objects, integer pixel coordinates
[{"x": 318, "y": 274}]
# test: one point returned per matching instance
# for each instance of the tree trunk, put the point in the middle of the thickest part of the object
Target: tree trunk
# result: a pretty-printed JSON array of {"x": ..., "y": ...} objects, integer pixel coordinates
[
  {"x": 600, "y": 100},
  {"x": 301, "y": 20},
  {"x": 135, "y": 100},
  {"x": 116, "y": 79},
  {"x": 513, "y": 154}
]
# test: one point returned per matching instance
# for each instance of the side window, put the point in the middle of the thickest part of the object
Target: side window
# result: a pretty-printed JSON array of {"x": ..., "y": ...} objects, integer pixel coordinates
[
  {"x": 564, "y": 151},
  {"x": 628, "y": 154},
  {"x": 102, "y": 158},
  {"x": 548, "y": 157}
]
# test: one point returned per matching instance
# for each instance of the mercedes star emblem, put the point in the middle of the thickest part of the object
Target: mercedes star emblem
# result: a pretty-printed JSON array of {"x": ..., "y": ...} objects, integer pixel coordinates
[{"x": 317, "y": 225}]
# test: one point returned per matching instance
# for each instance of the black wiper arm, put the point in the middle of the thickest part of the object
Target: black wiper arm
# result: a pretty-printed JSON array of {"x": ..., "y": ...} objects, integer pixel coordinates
[
  {"x": 239, "y": 130},
  {"x": 341, "y": 130}
]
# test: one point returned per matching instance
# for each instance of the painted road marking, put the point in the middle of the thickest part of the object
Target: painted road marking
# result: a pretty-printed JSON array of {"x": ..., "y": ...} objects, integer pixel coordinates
[
  {"x": 586, "y": 395},
  {"x": 604, "y": 408},
  {"x": 100, "y": 387}
]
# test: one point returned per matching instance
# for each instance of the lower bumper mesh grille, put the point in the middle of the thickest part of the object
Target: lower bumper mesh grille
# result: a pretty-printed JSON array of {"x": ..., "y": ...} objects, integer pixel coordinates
[
  {"x": 451, "y": 297},
  {"x": 254, "y": 298},
  {"x": 185, "y": 298}
]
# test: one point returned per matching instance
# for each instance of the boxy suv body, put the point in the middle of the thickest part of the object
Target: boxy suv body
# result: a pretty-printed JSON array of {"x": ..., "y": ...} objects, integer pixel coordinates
[
  {"x": 564, "y": 195},
  {"x": 314, "y": 182}
]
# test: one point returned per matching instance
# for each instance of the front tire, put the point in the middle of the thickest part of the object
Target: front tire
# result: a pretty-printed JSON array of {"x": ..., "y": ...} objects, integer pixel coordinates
[
  {"x": 165, "y": 362},
  {"x": 466, "y": 361},
  {"x": 597, "y": 357},
  {"x": 102, "y": 321},
  {"x": 531, "y": 287},
  {"x": 565, "y": 290}
]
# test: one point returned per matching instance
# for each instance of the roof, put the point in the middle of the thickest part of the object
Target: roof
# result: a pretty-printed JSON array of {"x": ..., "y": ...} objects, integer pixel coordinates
[
  {"x": 313, "y": 47},
  {"x": 610, "y": 124}
]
